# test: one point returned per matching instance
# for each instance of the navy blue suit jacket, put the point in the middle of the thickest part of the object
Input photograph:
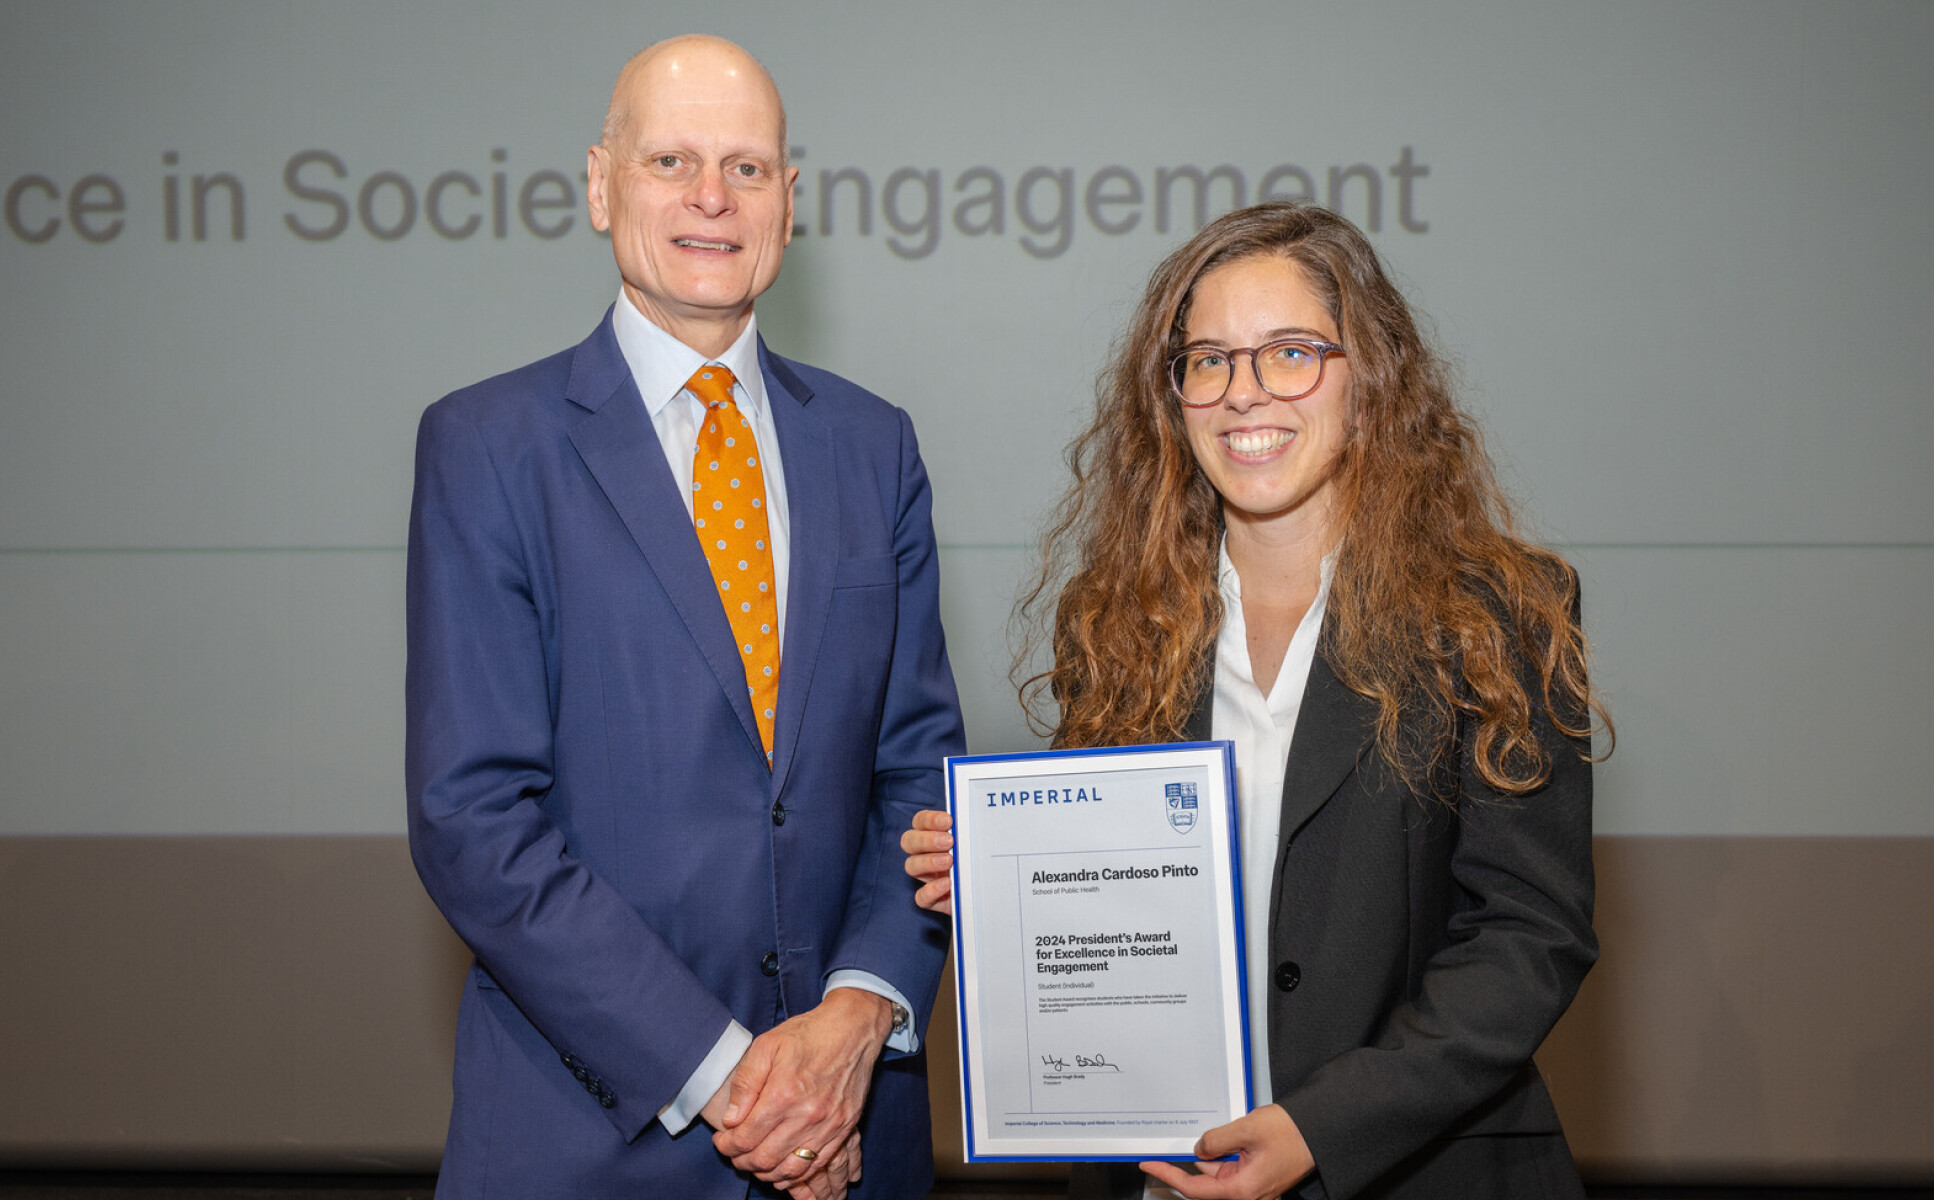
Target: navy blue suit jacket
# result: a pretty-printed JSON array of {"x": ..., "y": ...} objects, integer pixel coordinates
[{"x": 589, "y": 803}]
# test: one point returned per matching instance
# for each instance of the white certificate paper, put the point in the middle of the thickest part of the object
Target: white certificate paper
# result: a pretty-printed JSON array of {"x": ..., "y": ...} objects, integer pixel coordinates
[{"x": 1098, "y": 950}]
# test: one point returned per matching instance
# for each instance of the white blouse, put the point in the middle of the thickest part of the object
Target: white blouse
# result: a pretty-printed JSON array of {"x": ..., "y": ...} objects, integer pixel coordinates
[{"x": 1261, "y": 727}]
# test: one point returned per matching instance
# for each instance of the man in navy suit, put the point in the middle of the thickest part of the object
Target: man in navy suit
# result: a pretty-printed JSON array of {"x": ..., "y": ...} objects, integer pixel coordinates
[{"x": 683, "y": 891}]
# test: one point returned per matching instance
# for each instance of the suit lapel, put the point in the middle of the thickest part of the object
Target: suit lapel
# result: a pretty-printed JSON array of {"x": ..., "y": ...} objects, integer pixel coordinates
[
  {"x": 1201, "y": 723},
  {"x": 812, "y": 502},
  {"x": 1334, "y": 728},
  {"x": 1333, "y": 732},
  {"x": 621, "y": 450}
]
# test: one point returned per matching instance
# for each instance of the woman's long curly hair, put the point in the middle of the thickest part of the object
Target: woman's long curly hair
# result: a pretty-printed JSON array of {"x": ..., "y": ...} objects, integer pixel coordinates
[{"x": 1437, "y": 611}]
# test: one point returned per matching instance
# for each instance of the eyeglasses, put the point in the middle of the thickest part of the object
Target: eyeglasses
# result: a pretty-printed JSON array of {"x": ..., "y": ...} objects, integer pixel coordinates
[{"x": 1288, "y": 369}]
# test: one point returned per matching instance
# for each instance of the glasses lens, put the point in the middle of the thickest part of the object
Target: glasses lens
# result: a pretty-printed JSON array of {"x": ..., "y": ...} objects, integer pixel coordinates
[
  {"x": 1289, "y": 369},
  {"x": 1201, "y": 376}
]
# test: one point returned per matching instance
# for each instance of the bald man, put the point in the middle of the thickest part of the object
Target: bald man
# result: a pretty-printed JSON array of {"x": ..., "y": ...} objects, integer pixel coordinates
[{"x": 663, "y": 812}]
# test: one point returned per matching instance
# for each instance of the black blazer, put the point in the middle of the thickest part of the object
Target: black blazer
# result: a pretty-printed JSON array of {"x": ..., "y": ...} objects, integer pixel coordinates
[{"x": 1419, "y": 953}]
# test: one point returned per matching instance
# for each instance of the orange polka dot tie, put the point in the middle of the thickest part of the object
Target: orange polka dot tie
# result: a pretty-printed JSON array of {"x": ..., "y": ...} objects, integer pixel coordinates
[{"x": 729, "y": 515}]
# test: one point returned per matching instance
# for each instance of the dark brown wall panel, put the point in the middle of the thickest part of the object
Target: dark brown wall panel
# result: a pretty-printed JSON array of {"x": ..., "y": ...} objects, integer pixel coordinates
[
  {"x": 221, "y": 1002},
  {"x": 1763, "y": 1009}
]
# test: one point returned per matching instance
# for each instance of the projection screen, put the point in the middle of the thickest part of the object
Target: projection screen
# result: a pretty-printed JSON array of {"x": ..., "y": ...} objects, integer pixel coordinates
[{"x": 1679, "y": 254}]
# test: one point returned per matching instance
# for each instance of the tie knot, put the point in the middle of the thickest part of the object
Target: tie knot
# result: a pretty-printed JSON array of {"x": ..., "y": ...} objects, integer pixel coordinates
[{"x": 712, "y": 384}]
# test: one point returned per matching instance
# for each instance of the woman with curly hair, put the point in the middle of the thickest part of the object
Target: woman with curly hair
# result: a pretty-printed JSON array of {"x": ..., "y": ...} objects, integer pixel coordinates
[{"x": 1283, "y": 532}]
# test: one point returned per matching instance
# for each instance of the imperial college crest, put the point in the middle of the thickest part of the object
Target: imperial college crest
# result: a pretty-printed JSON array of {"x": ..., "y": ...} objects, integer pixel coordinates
[{"x": 1181, "y": 806}]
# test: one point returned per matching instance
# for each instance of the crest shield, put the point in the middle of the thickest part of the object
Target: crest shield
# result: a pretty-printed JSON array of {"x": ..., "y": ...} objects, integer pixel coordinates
[{"x": 1182, "y": 806}]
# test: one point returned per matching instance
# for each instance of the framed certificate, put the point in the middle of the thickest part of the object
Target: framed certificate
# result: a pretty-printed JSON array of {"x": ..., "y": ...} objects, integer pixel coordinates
[{"x": 1098, "y": 951}]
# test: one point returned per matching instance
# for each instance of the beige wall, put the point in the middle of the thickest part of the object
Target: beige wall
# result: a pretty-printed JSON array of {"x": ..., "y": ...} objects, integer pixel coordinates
[{"x": 1763, "y": 1008}]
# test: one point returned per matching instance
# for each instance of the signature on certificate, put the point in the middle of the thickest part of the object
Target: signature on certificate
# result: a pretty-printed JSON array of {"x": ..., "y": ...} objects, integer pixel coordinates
[{"x": 1056, "y": 1065}]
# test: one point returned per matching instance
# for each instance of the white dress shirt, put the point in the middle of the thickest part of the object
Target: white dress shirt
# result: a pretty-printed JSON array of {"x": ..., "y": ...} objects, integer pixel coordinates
[
  {"x": 1262, "y": 728},
  {"x": 660, "y": 364}
]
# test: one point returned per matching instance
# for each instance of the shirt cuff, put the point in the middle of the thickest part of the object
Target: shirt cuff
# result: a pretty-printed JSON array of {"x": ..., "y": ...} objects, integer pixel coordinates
[
  {"x": 906, "y": 1039},
  {"x": 706, "y": 1081}
]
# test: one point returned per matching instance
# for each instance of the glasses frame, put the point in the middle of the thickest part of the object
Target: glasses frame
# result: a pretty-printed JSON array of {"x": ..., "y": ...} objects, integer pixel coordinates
[{"x": 1322, "y": 348}]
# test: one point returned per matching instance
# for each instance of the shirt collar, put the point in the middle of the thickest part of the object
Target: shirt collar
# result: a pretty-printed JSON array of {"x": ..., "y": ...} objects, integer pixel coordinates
[
  {"x": 660, "y": 363},
  {"x": 1225, "y": 571}
]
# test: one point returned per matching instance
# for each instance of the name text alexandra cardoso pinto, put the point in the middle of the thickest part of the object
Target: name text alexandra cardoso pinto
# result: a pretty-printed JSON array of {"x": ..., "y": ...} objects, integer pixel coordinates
[
  {"x": 1114, "y": 874},
  {"x": 1086, "y": 953}
]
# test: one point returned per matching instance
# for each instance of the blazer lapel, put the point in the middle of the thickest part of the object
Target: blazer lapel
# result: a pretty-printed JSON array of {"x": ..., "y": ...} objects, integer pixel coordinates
[
  {"x": 621, "y": 450},
  {"x": 1201, "y": 722},
  {"x": 1333, "y": 731},
  {"x": 812, "y": 502},
  {"x": 1334, "y": 728}
]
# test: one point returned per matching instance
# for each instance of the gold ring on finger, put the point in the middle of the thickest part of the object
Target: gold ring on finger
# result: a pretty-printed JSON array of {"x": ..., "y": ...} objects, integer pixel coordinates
[{"x": 806, "y": 1154}]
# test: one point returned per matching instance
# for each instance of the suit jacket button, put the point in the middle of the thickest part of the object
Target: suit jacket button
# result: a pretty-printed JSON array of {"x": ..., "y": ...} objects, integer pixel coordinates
[
  {"x": 581, "y": 1073},
  {"x": 769, "y": 964},
  {"x": 1288, "y": 975},
  {"x": 608, "y": 1100},
  {"x": 778, "y": 813}
]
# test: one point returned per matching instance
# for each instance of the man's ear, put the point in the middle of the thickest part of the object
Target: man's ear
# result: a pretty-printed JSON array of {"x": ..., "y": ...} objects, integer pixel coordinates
[
  {"x": 792, "y": 191},
  {"x": 596, "y": 162}
]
